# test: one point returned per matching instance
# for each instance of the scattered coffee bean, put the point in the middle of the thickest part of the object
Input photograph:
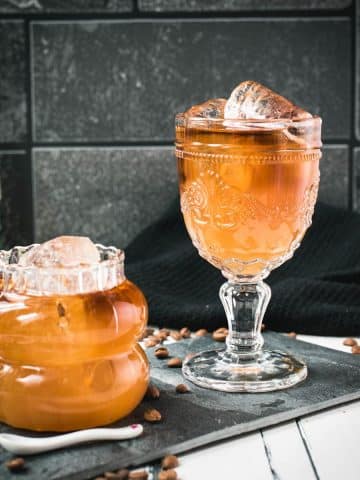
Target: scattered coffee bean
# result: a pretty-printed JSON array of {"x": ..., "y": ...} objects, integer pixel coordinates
[
  {"x": 167, "y": 475},
  {"x": 152, "y": 392},
  {"x": 174, "y": 362},
  {"x": 350, "y": 342},
  {"x": 292, "y": 334},
  {"x": 122, "y": 474},
  {"x": 263, "y": 327},
  {"x": 15, "y": 464},
  {"x": 355, "y": 349},
  {"x": 220, "y": 334},
  {"x": 161, "y": 352},
  {"x": 151, "y": 415},
  {"x": 138, "y": 475},
  {"x": 165, "y": 330},
  {"x": 189, "y": 356},
  {"x": 110, "y": 475},
  {"x": 185, "y": 332},
  {"x": 176, "y": 335},
  {"x": 150, "y": 343},
  {"x": 161, "y": 336},
  {"x": 170, "y": 461},
  {"x": 182, "y": 388},
  {"x": 100, "y": 478},
  {"x": 153, "y": 338},
  {"x": 146, "y": 333},
  {"x": 201, "y": 333}
]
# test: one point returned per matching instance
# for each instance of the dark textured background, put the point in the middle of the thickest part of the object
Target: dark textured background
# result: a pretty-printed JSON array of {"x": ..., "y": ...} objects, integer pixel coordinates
[{"x": 89, "y": 89}]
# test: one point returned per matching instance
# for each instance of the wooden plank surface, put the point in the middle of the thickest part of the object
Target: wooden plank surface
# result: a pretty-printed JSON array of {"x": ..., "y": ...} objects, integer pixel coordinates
[
  {"x": 244, "y": 458},
  {"x": 287, "y": 455},
  {"x": 332, "y": 437}
]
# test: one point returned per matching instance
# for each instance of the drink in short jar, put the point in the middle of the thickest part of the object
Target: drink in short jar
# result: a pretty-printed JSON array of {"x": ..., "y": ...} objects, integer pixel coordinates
[{"x": 70, "y": 360}]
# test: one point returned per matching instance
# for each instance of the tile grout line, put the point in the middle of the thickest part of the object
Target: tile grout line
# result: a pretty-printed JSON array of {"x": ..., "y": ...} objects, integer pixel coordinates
[
  {"x": 354, "y": 119},
  {"x": 29, "y": 122},
  {"x": 138, "y": 14},
  {"x": 307, "y": 447}
]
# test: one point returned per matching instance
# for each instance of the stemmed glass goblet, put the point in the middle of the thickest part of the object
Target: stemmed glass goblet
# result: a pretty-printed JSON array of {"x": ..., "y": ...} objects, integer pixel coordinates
[{"x": 248, "y": 190}]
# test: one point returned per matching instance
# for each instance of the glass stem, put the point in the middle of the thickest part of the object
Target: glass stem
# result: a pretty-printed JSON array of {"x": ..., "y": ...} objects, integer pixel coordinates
[{"x": 245, "y": 305}]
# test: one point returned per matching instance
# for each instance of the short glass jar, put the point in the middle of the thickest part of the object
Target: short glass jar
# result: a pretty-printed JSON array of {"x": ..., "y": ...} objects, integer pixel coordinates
[{"x": 69, "y": 357}]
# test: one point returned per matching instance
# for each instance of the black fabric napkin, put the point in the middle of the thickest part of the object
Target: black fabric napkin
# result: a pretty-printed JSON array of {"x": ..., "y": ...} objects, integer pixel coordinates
[{"x": 316, "y": 292}]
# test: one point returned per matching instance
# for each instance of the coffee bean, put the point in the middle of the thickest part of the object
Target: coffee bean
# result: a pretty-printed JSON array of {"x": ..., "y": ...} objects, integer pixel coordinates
[
  {"x": 161, "y": 352},
  {"x": 263, "y": 327},
  {"x": 146, "y": 333},
  {"x": 291, "y": 334},
  {"x": 182, "y": 388},
  {"x": 355, "y": 349},
  {"x": 220, "y": 334},
  {"x": 153, "y": 338},
  {"x": 189, "y": 356},
  {"x": 176, "y": 335},
  {"x": 150, "y": 343},
  {"x": 122, "y": 474},
  {"x": 185, "y": 332},
  {"x": 170, "y": 461},
  {"x": 15, "y": 464},
  {"x": 161, "y": 336},
  {"x": 350, "y": 342},
  {"x": 152, "y": 392},
  {"x": 139, "y": 475},
  {"x": 165, "y": 330},
  {"x": 110, "y": 475},
  {"x": 167, "y": 475},
  {"x": 174, "y": 362},
  {"x": 151, "y": 415},
  {"x": 201, "y": 333}
]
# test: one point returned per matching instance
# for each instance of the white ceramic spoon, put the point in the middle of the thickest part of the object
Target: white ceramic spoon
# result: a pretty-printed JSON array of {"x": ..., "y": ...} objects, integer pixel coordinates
[{"x": 29, "y": 445}]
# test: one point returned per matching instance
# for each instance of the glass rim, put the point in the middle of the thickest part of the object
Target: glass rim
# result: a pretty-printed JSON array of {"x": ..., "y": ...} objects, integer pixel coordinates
[
  {"x": 241, "y": 122},
  {"x": 117, "y": 258}
]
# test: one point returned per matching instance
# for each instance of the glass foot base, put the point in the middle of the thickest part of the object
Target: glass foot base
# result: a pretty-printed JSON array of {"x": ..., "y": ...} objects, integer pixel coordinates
[{"x": 262, "y": 372}]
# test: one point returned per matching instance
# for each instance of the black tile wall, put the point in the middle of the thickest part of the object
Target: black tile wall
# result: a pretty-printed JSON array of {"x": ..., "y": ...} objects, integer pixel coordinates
[
  {"x": 334, "y": 178},
  {"x": 238, "y": 5},
  {"x": 136, "y": 75},
  {"x": 16, "y": 199},
  {"x": 123, "y": 191},
  {"x": 107, "y": 77},
  {"x": 12, "y": 82},
  {"x": 65, "y": 6}
]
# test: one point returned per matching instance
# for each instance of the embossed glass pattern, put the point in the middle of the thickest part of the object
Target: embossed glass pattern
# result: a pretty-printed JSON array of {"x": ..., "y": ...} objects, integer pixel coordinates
[{"x": 248, "y": 190}]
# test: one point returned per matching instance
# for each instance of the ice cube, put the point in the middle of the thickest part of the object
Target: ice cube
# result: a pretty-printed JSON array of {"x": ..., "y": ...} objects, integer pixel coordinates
[
  {"x": 251, "y": 100},
  {"x": 213, "y": 108},
  {"x": 64, "y": 251}
]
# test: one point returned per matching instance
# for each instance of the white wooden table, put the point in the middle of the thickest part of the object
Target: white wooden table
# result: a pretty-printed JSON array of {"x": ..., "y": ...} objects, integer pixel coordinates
[{"x": 323, "y": 446}]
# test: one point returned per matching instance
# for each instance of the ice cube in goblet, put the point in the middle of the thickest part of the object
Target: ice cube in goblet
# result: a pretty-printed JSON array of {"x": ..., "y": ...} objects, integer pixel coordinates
[{"x": 251, "y": 100}]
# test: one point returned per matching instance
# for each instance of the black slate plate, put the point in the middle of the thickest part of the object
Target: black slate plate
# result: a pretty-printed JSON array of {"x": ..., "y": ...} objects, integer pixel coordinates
[{"x": 204, "y": 416}]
